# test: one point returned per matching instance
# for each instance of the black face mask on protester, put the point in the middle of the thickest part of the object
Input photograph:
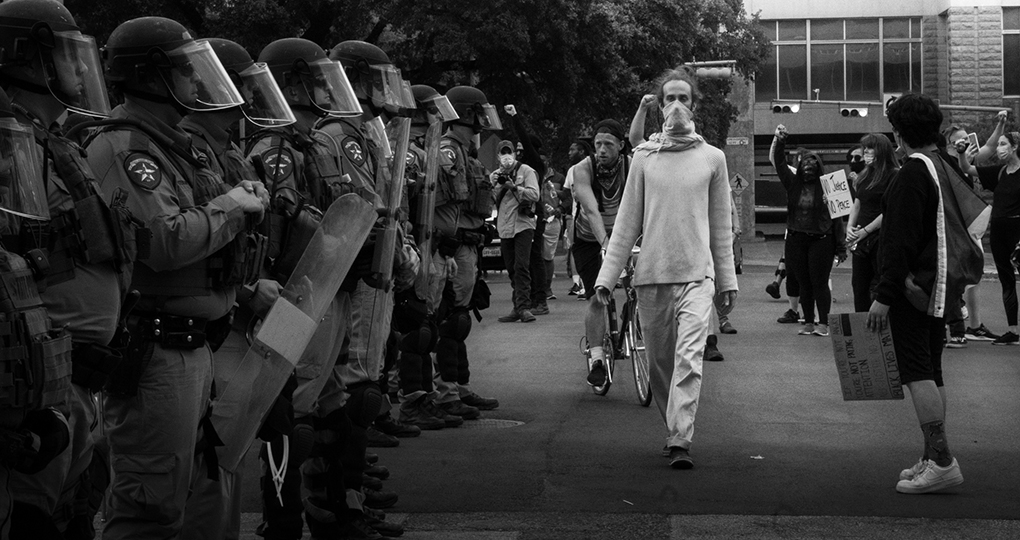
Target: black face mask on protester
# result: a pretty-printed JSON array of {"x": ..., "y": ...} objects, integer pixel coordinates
[{"x": 857, "y": 166}]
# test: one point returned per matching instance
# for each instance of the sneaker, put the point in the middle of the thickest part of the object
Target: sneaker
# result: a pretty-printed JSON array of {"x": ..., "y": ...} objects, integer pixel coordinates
[
  {"x": 807, "y": 329},
  {"x": 1009, "y": 338},
  {"x": 665, "y": 451},
  {"x": 513, "y": 316},
  {"x": 551, "y": 297},
  {"x": 458, "y": 408},
  {"x": 378, "y": 439},
  {"x": 378, "y": 499},
  {"x": 377, "y": 471},
  {"x": 393, "y": 428},
  {"x": 581, "y": 295},
  {"x": 980, "y": 334},
  {"x": 597, "y": 374},
  {"x": 434, "y": 409},
  {"x": 540, "y": 310},
  {"x": 680, "y": 458},
  {"x": 773, "y": 289},
  {"x": 385, "y": 528},
  {"x": 956, "y": 342},
  {"x": 918, "y": 468},
  {"x": 574, "y": 289},
  {"x": 712, "y": 353},
  {"x": 371, "y": 458},
  {"x": 932, "y": 478},
  {"x": 481, "y": 403},
  {"x": 821, "y": 330},
  {"x": 790, "y": 317},
  {"x": 727, "y": 328},
  {"x": 528, "y": 316},
  {"x": 413, "y": 413}
]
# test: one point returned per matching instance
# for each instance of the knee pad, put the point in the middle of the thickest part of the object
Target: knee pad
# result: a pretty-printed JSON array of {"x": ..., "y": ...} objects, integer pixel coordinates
[
  {"x": 365, "y": 403},
  {"x": 456, "y": 326},
  {"x": 419, "y": 341}
]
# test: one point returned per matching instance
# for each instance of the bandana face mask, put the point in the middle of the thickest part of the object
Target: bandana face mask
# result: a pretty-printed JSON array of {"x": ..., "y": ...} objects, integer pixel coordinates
[
  {"x": 506, "y": 161},
  {"x": 677, "y": 120}
]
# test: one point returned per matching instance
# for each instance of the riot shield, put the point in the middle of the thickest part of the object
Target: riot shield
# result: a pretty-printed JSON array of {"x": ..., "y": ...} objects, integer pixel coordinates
[
  {"x": 427, "y": 206},
  {"x": 390, "y": 186},
  {"x": 238, "y": 413}
]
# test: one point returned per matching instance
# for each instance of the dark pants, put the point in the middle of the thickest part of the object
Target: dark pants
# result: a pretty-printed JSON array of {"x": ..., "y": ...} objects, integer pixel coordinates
[
  {"x": 517, "y": 259},
  {"x": 1003, "y": 236},
  {"x": 809, "y": 258},
  {"x": 539, "y": 281},
  {"x": 865, "y": 272}
]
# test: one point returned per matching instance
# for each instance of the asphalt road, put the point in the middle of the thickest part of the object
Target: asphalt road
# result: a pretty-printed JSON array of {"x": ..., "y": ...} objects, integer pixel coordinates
[{"x": 777, "y": 451}]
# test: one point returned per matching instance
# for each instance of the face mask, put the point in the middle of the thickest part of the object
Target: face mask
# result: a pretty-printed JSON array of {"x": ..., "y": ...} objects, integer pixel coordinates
[
  {"x": 507, "y": 161},
  {"x": 869, "y": 158},
  {"x": 678, "y": 120},
  {"x": 857, "y": 166}
]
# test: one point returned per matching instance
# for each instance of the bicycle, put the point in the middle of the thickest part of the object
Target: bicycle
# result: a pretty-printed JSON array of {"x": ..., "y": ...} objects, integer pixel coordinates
[{"x": 627, "y": 344}]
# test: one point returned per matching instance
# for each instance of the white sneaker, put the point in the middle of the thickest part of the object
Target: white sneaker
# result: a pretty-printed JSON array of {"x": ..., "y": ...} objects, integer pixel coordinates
[
  {"x": 918, "y": 468},
  {"x": 932, "y": 478}
]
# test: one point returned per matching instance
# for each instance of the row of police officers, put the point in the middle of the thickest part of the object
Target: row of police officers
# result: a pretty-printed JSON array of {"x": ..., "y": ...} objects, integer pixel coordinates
[{"x": 142, "y": 240}]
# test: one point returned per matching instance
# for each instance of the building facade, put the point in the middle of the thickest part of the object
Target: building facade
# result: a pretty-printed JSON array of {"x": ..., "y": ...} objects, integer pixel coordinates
[{"x": 834, "y": 64}]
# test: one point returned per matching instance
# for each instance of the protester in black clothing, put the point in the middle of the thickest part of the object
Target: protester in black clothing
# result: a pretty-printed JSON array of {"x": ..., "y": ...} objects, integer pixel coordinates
[
  {"x": 1004, "y": 228},
  {"x": 528, "y": 147},
  {"x": 812, "y": 238},
  {"x": 866, "y": 216},
  {"x": 913, "y": 250}
]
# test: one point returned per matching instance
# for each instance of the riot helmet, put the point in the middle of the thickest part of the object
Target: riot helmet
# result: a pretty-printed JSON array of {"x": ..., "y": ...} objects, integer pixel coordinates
[
  {"x": 264, "y": 104},
  {"x": 43, "y": 51},
  {"x": 21, "y": 181},
  {"x": 159, "y": 50},
  {"x": 431, "y": 104},
  {"x": 296, "y": 61},
  {"x": 473, "y": 108},
  {"x": 376, "y": 80}
]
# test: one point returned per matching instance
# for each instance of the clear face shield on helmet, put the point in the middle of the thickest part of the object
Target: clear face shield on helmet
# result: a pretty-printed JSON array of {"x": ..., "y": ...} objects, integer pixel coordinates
[
  {"x": 487, "y": 117},
  {"x": 77, "y": 82},
  {"x": 264, "y": 104},
  {"x": 21, "y": 187},
  {"x": 385, "y": 88},
  {"x": 407, "y": 103},
  {"x": 375, "y": 129},
  {"x": 197, "y": 79},
  {"x": 329, "y": 90}
]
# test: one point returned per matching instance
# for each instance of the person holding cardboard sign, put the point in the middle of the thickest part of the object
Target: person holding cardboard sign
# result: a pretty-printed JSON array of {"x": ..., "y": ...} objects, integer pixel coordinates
[{"x": 813, "y": 237}]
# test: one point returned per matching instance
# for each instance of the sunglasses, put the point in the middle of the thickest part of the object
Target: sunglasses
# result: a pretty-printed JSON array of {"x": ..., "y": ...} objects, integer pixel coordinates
[{"x": 856, "y": 158}]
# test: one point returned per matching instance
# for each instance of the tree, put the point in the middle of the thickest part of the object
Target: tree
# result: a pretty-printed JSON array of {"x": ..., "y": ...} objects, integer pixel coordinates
[{"x": 565, "y": 63}]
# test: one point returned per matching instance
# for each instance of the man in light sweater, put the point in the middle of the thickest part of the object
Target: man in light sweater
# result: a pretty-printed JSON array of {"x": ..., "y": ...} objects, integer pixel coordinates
[{"x": 678, "y": 198}]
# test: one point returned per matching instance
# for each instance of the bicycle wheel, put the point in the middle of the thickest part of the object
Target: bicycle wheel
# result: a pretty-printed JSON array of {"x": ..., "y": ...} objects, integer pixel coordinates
[{"x": 638, "y": 358}]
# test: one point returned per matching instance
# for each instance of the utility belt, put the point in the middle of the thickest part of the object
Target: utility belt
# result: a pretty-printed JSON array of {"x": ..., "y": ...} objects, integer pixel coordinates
[
  {"x": 169, "y": 331},
  {"x": 448, "y": 245}
]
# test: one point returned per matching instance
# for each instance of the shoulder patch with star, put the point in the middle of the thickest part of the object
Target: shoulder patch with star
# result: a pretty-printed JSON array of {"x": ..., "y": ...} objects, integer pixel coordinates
[
  {"x": 449, "y": 153},
  {"x": 354, "y": 151},
  {"x": 143, "y": 170},
  {"x": 279, "y": 163}
]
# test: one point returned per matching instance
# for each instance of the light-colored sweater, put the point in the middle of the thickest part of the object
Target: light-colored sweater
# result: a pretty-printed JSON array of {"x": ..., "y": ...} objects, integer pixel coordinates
[{"x": 680, "y": 200}]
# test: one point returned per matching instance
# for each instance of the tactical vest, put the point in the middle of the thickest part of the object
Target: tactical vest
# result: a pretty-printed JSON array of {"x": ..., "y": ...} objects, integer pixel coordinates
[
  {"x": 356, "y": 154},
  {"x": 240, "y": 261},
  {"x": 455, "y": 186},
  {"x": 35, "y": 357}
]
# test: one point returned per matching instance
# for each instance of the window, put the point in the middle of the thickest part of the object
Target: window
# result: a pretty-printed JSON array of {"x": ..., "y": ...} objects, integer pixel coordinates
[
  {"x": 1010, "y": 50},
  {"x": 850, "y": 59}
]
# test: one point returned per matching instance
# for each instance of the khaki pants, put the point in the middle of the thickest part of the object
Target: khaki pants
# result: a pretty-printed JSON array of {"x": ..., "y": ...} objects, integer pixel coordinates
[{"x": 675, "y": 321}]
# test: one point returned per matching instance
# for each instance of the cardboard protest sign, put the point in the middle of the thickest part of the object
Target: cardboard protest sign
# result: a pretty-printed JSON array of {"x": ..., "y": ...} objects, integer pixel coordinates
[
  {"x": 865, "y": 360},
  {"x": 837, "y": 194}
]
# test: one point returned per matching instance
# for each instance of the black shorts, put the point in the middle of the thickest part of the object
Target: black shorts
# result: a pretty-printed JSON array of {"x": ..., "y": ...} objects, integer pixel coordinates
[
  {"x": 587, "y": 262},
  {"x": 917, "y": 340}
]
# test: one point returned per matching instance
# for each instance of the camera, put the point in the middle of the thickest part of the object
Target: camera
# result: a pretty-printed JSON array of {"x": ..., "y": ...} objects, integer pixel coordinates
[{"x": 502, "y": 178}]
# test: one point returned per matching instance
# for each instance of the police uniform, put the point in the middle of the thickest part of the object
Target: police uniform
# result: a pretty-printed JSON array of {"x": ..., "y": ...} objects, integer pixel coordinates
[
  {"x": 214, "y": 506},
  {"x": 151, "y": 416},
  {"x": 304, "y": 164},
  {"x": 91, "y": 249}
]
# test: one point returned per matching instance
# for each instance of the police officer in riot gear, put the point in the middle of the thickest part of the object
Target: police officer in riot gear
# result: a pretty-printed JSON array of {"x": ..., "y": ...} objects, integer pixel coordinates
[
  {"x": 463, "y": 202},
  {"x": 50, "y": 68},
  {"x": 214, "y": 510},
  {"x": 33, "y": 433},
  {"x": 166, "y": 376},
  {"x": 302, "y": 172}
]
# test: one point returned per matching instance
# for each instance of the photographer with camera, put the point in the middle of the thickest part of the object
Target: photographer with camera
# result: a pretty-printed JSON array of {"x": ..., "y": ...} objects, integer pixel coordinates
[{"x": 516, "y": 187}]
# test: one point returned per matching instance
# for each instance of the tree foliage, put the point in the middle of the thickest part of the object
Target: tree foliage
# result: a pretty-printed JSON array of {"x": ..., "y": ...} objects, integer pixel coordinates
[{"x": 565, "y": 63}]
